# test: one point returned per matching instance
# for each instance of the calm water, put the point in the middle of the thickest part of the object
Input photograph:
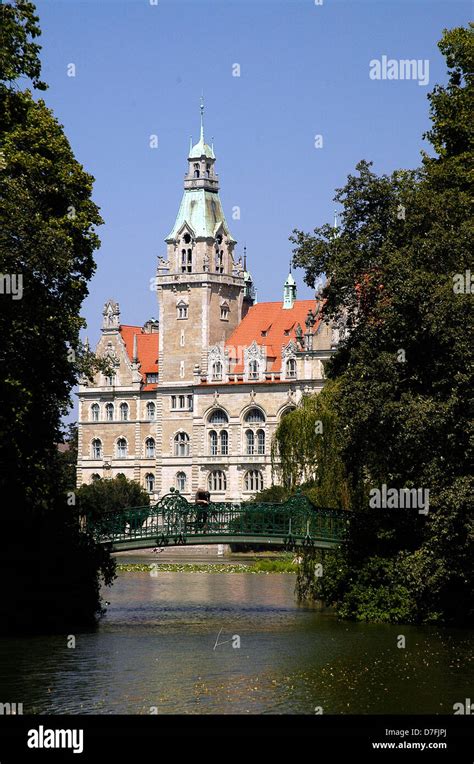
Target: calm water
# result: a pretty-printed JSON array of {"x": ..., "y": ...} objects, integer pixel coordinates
[{"x": 156, "y": 648}]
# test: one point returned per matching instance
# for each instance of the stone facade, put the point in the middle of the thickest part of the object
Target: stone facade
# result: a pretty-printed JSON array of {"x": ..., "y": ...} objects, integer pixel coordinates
[{"x": 194, "y": 401}]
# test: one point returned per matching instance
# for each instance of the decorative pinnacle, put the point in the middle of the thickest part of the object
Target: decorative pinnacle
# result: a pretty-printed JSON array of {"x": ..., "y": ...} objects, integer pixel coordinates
[{"x": 135, "y": 349}]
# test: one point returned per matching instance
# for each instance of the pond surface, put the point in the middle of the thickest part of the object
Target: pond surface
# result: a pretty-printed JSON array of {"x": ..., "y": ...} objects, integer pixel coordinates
[{"x": 156, "y": 649}]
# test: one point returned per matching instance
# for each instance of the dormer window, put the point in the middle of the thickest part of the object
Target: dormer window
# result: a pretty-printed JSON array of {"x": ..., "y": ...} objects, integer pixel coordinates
[
  {"x": 291, "y": 368},
  {"x": 253, "y": 369},
  {"x": 216, "y": 371},
  {"x": 182, "y": 310},
  {"x": 187, "y": 238}
]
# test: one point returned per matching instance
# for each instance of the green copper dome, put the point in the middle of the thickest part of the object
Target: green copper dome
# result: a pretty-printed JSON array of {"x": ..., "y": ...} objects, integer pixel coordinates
[
  {"x": 202, "y": 211},
  {"x": 201, "y": 149}
]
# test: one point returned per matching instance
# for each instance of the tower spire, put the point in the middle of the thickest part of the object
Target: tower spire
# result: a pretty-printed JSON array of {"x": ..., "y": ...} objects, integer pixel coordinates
[
  {"x": 289, "y": 291},
  {"x": 202, "y": 118}
]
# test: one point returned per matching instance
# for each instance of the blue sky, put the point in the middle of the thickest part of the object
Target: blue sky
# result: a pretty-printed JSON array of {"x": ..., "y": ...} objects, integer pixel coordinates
[{"x": 304, "y": 71}]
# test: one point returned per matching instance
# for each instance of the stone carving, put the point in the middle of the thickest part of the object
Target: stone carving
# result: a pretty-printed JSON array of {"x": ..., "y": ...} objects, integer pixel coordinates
[
  {"x": 111, "y": 315},
  {"x": 299, "y": 335},
  {"x": 311, "y": 319}
]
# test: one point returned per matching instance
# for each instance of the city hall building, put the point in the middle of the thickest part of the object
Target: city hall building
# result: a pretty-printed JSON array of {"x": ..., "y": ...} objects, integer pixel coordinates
[{"x": 193, "y": 400}]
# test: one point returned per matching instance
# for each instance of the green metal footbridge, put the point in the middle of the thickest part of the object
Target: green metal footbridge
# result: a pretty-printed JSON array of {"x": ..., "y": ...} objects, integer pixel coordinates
[{"x": 174, "y": 521}]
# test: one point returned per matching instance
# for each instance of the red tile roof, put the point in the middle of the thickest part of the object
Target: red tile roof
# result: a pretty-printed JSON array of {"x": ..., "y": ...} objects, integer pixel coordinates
[
  {"x": 269, "y": 324},
  {"x": 266, "y": 323},
  {"x": 147, "y": 350}
]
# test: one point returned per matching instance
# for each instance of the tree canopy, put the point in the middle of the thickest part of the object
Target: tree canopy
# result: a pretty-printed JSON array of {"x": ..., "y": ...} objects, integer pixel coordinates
[
  {"x": 48, "y": 236},
  {"x": 403, "y": 368}
]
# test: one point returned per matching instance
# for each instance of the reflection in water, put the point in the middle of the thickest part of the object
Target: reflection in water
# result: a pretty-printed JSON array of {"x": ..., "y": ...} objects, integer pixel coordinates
[{"x": 156, "y": 647}]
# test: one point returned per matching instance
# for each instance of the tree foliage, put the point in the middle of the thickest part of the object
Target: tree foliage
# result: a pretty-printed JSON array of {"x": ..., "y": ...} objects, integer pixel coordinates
[
  {"x": 103, "y": 496},
  {"x": 306, "y": 451},
  {"x": 47, "y": 241},
  {"x": 403, "y": 368}
]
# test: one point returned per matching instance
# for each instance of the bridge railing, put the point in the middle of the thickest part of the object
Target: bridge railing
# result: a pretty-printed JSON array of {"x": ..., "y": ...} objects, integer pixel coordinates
[{"x": 173, "y": 517}]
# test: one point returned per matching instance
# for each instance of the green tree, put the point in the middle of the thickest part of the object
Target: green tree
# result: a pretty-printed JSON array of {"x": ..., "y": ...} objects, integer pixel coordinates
[
  {"x": 101, "y": 497},
  {"x": 47, "y": 241},
  {"x": 306, "y": 450},
  {"x": 404, "y": 365}
]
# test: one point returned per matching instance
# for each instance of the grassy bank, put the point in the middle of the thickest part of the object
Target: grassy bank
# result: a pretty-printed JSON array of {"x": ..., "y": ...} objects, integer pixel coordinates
[{"x": 261, "y": 566}]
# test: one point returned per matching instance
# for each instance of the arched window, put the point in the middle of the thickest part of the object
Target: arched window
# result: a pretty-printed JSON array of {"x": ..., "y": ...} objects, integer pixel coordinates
[
  {"x": 217, "y": 481},
  {"x": 109, "y": 412},
  {"x": 196, "y": 169},
  {"x": 150, "y": 411},
  {"x": 224, "y": 443},
  {"x": 120, "y": 475},
  {"x": 220, "y": 261},
  {"x": 122, "y": 448},
  {"x": 97, "y": 448},
  {"x": 254, "y": 416},
  {"x": 291, "y": 368},
  {"x": 182, "y": 309},
  {"x": 253, "y": 369},
  {"x": 95, "y": 477},
  {"x": 150, "y": 448},
  {"x": 124, "y": 412},
  {"x": 95, "y": 411},
  {"x": 181, "y": 481},
  {"x": 186, "y": 260},
  {"x": 181, "y": 444},
  {"x": 218, "y": 416},
  {"x": 287, "y": 411},
  {"x": 216, "y": 371},
  {"x": 260, "y": 442},
  {"x": 150, "y": 482},
  {"x": 249, "y": 442},
  {"x": 253, "y": 480},
  {"x": 213, "y": 442}
]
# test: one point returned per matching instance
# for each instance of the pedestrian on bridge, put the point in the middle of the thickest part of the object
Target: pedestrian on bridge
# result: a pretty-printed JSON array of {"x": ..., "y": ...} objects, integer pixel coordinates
[{"x": 202, "y": 500}]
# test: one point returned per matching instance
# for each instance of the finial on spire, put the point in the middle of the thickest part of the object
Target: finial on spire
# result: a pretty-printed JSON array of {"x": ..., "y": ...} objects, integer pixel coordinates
[
  {"x": 336, "y": 225},
  {"x": 245, "y": 258},
  {"x": 290, "y": 264},
  {"x": 202, "y": 117}
]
